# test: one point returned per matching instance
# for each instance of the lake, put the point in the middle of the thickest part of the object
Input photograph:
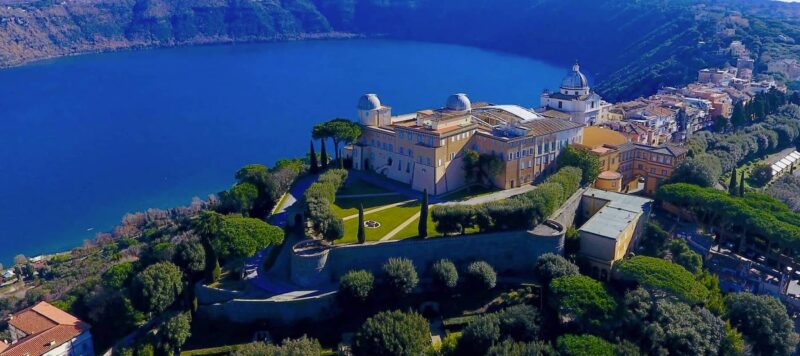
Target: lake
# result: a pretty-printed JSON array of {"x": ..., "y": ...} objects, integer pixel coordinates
[{"x": 86, "y": 139}]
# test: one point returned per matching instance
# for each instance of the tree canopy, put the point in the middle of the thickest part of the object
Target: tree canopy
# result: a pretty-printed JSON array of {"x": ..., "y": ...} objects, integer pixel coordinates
[
  {"x": 764, "y": 322},
  {"x": 240, "y": 237},
  {"x": 583, "y": 159},
  {"x": 582, "y": 299},
  {"x": 550, "y": 266},
  {"x": 338, "y": 130},
  {"x": 392, "y": 333},
  {"x": 658, "y": 274},
  {"x": 583, "y": 345},
  {"x": 156, "y": 288}
]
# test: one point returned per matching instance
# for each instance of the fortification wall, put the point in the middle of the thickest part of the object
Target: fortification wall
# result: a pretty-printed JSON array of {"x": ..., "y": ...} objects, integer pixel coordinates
[
  {"x": 275, "y": 311},
  {"x": 210, "y": 295}
]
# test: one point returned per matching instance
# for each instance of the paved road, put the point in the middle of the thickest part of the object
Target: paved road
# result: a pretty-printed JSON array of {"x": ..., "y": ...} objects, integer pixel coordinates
[
  {"x": 278, "y": 218},
  {"x": 503, "y": 194}
]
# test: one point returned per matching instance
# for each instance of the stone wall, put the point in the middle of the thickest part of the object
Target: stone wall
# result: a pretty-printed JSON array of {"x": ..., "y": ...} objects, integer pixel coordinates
[
  {"x": 511, "y": 251},
  {"x": 276, "y": 311}
]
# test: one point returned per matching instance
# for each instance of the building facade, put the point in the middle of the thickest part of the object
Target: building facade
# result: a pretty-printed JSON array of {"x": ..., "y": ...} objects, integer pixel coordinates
[
  {"x": 576, "y": 99},
  {"x": 426, "y": 149},
  {"x": 614, "y": 223},
  {"x": 652, "y": 164},
  {"x": 46, "y": 330}
]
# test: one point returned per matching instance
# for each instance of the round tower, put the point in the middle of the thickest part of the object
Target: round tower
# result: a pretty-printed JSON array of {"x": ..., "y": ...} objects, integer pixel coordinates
[{"x": 369, "y": 107}]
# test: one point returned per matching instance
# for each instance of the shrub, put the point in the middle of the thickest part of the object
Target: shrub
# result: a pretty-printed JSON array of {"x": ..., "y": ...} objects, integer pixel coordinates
[
  {"x": 550, "y": 266},
  {"x": 583, "y": 159},
  {"x": 392, "y": 333},
  {"x": 451, "y": 219},
  {"x": 479, "y": 335},
  {"x": 583, "y": 345},
  {"x": 450, "y": 344},
  {"x": 400, "y": 275},
  {"x": 356, "y": 286},
  {"x": 481, "y": 275},
  {"x": 445, "y": 275},
  {"x": 658, "y": 274},
  {"x": 761, "y": 175}
]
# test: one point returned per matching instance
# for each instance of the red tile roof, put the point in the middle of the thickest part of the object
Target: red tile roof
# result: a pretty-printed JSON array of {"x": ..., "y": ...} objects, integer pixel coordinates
[{"x": 47, "y": 327}]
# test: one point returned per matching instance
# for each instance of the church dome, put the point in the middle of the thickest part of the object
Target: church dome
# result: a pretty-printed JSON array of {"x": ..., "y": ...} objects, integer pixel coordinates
[
  {"x": 575, "y": 79},
  {"x": 369, "y": 102},
  {"x": 458, "y": 102}
]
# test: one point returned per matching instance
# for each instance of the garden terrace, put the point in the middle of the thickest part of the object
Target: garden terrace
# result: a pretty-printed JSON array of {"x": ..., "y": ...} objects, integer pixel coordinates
[{"x": 520, "y": 212}]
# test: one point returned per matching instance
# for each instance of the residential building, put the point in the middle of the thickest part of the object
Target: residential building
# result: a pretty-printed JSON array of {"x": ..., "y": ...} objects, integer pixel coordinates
[
  {"x": 46, "y": 330},
  {"x": 652, "y": 164},
  {"x": 614, "y": 223},
  {"x": 426, "y": 149},
  {"x": 576, "y": 99}
]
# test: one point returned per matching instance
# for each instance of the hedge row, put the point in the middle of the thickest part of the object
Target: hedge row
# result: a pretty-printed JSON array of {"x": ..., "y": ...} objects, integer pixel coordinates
[
  {"x": 755, "y": 214},
  {"x": 318, "y": 199},
  {"x": 520, "y": 212}
]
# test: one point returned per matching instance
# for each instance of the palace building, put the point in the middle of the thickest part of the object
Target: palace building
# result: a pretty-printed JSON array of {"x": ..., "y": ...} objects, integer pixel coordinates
[
  {"x": 576, "y": 100},
  {"x": 425, "y": 149}
]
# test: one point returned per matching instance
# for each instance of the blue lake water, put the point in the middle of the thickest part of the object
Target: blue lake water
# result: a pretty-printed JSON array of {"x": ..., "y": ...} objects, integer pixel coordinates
[{"x": 84, "y": 140}]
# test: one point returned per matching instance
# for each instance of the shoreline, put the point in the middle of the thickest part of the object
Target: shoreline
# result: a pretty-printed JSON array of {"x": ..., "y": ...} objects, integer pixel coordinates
[{"x": 328, "y": 36}]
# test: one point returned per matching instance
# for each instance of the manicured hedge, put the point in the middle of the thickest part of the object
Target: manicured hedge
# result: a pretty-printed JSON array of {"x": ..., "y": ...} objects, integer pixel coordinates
[
  {"x": 520, "y": 212},
  {"x": 757, "y": 214},
  {"x": 318, "y": 199},
  {"x": 659, "y": 274}
]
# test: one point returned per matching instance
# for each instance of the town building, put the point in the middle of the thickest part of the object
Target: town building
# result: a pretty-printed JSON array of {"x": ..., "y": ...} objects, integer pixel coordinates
[
  {"x": 576, "y": 99},
  {"x": 426, "y": 149},
  {"x": 651, "y": 164},
  {"x": 46, "y": 330},
  {"x": 614, "y": 223}
]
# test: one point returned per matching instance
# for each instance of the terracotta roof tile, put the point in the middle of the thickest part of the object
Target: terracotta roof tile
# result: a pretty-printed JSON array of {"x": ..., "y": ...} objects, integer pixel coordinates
[{"x": 47, "y": 327}]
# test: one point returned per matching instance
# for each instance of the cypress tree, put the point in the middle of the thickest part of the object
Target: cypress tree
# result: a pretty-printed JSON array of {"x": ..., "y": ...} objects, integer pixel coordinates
[
  {"x": 313, "y": 160},
  {"x": 362, "y": 235},
  {"x": 741, "y": 185},
  {"x": 732, "y": 184},
  {"x": 323, "y": 156},
  {"x": 423, "y": 216}
]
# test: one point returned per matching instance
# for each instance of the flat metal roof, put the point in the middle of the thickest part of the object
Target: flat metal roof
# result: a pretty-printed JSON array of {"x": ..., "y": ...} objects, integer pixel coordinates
[{"x": 618, "y": 212}]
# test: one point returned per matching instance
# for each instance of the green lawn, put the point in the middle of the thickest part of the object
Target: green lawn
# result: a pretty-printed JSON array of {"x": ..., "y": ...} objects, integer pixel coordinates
[
  {"x": 411, "y": 231},
  {"x": 344, "y": 207},
  {"x": 389, "y": 220},
  {"x": 357, "y": 186}
]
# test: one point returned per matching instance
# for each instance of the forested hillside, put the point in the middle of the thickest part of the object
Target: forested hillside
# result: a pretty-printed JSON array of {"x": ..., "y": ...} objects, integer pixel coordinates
[{"x": 629, "y": 48}]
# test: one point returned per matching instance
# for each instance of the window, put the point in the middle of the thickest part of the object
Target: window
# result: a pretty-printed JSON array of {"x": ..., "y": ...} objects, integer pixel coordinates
[
  {"x": 402, "y": 151},
  {"x": 408, "y": 167},
  {"x": 530, "y": 151},
  {"x": 517, "y": 154},
  {"x": 452, "y": 139},
  {"x": 439, "y": 162},
  {"x": 593, "y": 105},
  {"x": 452, "y": 156},
  {"x": 538, "y": 160},
  {"x": 430, "y": 141},
  {"x": 521, "y": 164},
  {"x": 442, "y": 142},
  {"x": 546, "y": 159},
  {"x": 399, "y": 165},
  {"x": 641, "y": 166},
  {"x": 539, "y": 150},
  {"x": 529, "y": 164},
  {"x": 510, "y": 156},
  {"x": 400, "y": 134},
  {"x": 653, "y": 170},
  {"x": 663, "y": 172},
  {"x": 560, "y": 104},
  {"x": 428, "y": 160}
]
